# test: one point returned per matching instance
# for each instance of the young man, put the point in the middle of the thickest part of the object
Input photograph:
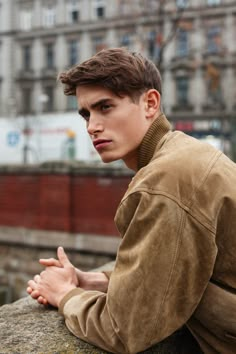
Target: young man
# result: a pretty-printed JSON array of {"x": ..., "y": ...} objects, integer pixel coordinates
[{"x": 176, "y": 264}]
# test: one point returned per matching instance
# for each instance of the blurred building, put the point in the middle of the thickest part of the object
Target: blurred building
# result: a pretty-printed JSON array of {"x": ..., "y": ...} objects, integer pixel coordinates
[{"x": 193, "y": 42}]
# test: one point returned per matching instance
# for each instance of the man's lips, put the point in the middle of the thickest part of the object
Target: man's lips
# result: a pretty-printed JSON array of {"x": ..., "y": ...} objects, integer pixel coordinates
[{"x": 100, "y": 143}]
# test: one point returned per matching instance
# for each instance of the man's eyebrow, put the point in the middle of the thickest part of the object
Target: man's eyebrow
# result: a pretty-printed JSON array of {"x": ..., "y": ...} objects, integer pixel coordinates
[
  {"x": 83, "y": 111},
  {"x": 100, "y": 102}
]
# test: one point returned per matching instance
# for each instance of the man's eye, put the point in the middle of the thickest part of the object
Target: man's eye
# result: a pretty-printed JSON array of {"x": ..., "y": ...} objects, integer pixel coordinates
[{"x": 105, "y": 107}]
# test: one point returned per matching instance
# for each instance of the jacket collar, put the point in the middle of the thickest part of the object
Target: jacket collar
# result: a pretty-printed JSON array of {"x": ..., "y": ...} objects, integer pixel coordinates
[{"x": 155, "y": 133}]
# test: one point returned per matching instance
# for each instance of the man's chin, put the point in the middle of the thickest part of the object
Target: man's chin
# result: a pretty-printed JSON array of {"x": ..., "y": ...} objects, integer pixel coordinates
[{"x": 107, "y": 159}]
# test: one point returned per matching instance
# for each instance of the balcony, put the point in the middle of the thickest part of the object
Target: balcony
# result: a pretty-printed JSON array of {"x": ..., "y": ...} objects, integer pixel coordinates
[
  {"x": 183, "y": 62},
  {"x": 26, "y": 74},
  {"x": 48, "y": 73},
  {"x": 182, "y": 108},
  {"x": 214, "y": 107}
]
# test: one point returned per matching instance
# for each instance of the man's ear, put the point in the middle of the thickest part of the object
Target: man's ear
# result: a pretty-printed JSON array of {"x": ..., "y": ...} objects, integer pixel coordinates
[{"x": 152, "y": 102}]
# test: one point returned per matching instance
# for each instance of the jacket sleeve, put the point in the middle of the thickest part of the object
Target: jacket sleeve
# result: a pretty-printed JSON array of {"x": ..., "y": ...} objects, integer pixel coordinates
[
  {"x": 163, "y": 266},
  {"x": 107, "y": 273}
]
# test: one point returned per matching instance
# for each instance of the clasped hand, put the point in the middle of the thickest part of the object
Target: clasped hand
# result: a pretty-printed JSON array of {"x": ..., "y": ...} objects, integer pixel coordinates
[{"x": 60, "y": 277}]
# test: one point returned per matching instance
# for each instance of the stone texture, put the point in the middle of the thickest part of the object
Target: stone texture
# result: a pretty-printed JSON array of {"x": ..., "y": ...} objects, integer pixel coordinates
[{"x": 29, "y": 328}]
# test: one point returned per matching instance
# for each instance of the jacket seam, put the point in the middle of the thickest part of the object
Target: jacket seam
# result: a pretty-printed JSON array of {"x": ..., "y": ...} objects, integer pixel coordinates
[
  {"x": 115, "y": 332},
  {"x": 183, "y": 206},
  {"x": 204, "y": 178}
]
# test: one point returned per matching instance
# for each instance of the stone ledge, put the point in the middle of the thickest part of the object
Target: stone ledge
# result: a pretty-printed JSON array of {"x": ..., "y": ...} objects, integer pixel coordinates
[
  {"x": 29, "y": 328},
  {"x": 67, "y": 167},
  {"x": 21, "y": 236}
]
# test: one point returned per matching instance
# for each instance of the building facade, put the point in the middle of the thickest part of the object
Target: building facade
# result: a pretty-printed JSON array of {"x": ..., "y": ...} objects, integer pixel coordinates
[{"x": 192, "y": 41}]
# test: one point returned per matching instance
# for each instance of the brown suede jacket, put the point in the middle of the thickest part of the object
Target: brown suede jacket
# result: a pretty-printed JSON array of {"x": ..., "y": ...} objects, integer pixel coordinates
[{"x": 177, "y": 260}]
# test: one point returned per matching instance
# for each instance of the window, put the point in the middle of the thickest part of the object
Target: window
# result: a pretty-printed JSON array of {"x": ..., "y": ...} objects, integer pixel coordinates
[
  {"x": 125, "y": 40},
  {"x": 26, "y": 57},
  {"x": 213, "y": 79},
  {"x": 73, "y": 52},
  {"x": 73, "y": 11},
  {"x": 182, "y": 43},
  {"x": 182, "y": 88},
  {"x": 182, "y": 3},
  {"x": 26, "y": 100},
  {"x": 26, "y": 19},
  {"x": 49, "y": 51},
  {"x": 151, "y": 43},
  {"x": 98, "y": 43},
  {"x": 99, "y": 8},
  {"x": 214, "y": 40},
  {"x": 49, "y": 103},
  {"x": 154, "y": 44},
  {"x": 100, "y": 12},
  {"x": 213, "y": 2},
  {"x": 49, "y": 16}
]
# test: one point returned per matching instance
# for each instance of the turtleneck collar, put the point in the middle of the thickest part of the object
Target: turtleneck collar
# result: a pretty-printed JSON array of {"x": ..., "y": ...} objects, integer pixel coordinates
[{"x": 155, "y": 133}]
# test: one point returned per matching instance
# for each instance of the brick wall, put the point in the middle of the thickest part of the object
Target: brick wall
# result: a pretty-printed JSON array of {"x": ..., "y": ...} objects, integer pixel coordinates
[{"x": 72, "y": 198}]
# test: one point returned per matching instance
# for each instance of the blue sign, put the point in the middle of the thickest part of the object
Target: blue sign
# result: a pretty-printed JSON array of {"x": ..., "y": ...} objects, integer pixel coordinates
[{"x": 13, "y": 138}]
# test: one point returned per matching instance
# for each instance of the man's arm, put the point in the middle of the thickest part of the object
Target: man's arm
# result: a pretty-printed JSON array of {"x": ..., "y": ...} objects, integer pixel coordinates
[{"x": 163, "y": 266}]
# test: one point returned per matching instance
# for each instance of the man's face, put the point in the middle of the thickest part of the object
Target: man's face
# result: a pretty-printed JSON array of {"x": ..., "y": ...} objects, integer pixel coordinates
[{"x": 115, "y": 124}]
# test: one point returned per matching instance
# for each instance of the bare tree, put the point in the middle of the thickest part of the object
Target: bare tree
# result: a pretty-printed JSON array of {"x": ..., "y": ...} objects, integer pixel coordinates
[{"x": 165, "y": 40}]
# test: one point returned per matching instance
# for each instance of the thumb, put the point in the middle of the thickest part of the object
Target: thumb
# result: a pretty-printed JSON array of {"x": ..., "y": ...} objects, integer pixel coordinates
[{"x": 62, "y": 257}]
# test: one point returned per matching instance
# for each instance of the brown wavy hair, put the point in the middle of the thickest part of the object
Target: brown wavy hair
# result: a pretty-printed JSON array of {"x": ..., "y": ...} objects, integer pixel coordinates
[{"x": 117, "y": 69}]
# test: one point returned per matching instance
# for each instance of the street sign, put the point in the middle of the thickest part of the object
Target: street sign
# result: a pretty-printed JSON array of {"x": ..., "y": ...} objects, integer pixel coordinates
[{"x": 13, "y": 138}]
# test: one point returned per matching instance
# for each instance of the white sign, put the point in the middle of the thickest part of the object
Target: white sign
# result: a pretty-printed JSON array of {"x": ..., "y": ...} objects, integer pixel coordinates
[{"x": 45, "y": 138}]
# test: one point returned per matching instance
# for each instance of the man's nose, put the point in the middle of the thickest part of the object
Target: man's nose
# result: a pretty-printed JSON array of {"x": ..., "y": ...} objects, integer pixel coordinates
[{"x": 94, "y": 124}]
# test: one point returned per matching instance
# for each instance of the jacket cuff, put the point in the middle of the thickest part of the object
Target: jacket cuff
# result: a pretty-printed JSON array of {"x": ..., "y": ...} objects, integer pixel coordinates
[{"x": 67, "y": 297}]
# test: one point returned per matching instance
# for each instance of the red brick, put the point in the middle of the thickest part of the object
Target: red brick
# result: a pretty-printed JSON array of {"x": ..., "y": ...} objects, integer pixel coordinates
[{"x": 61, "y": 202}]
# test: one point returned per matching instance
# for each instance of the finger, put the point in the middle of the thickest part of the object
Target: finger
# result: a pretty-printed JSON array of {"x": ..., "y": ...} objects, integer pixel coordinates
[
  {"x": 41, "y": 300},
  {"x": 37, "y": 278},
  {"x": 62, "y": 257},
  {"x": 35, "y": 294},
  {"x": 29, "y": 290},
  {"x": 50, "y": 262},
  {"x": 45, "y": 302},
  {"x": 32, "y": 284}
]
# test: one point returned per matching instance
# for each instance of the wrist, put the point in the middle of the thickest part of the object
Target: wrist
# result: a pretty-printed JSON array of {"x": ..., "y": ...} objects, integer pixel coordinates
[
  {"x": 92, "y": 281},
  {"x": 63, "y": 293},
  {"x": 99, "y": 281}
]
